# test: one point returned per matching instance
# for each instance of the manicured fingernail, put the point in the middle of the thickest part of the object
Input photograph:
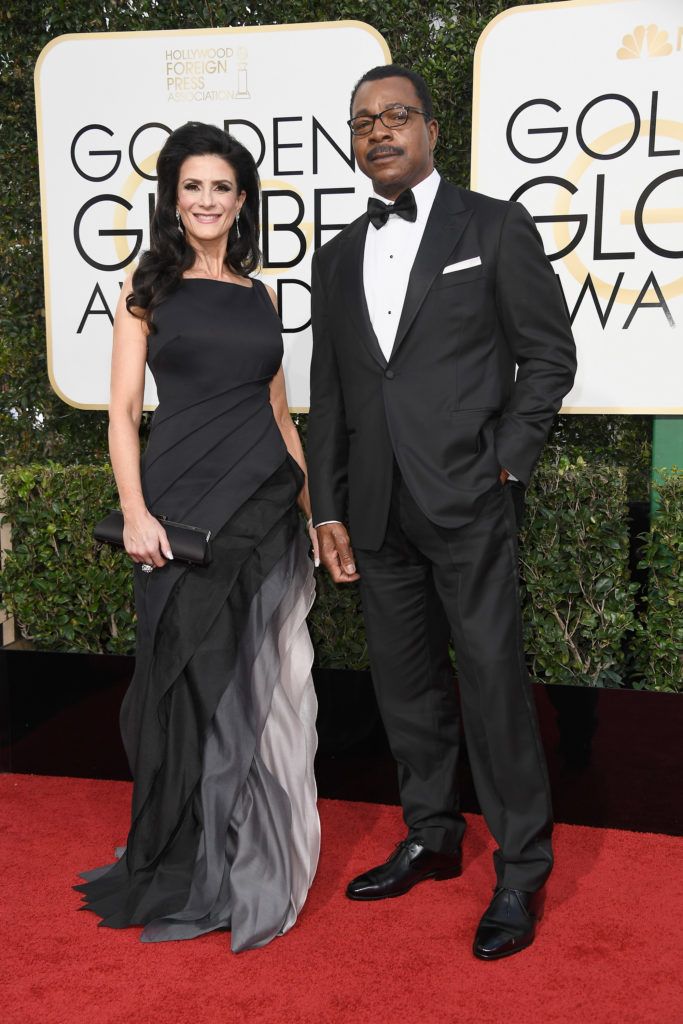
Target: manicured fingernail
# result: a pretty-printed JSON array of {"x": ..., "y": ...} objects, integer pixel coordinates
[
  {"x": 169, "y": 555},
  {"x": 316, "y": 562}
]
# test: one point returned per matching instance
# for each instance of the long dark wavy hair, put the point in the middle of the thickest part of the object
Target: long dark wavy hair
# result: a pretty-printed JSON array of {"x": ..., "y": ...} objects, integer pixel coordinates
[{"x": 161, "y": 268}]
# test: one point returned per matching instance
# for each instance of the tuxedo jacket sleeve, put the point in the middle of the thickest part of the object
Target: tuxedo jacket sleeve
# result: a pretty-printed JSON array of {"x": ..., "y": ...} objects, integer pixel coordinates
[
  {"x": 328, "y": 415},
  {"x": 531, "y": 310}
]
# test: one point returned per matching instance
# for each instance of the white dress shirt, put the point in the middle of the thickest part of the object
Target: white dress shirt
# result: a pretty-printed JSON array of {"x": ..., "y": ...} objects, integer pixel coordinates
[{"x": 389, "y": 255}]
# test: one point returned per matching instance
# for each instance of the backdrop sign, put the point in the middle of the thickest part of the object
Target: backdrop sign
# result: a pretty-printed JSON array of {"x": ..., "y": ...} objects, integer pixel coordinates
[
  {"x": 105, "y": 105},
  {"x": 577, "y": 113}
]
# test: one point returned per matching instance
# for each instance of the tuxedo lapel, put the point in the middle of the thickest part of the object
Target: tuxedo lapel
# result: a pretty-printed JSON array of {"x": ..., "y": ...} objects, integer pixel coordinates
[
  {"x": 446, "y": 223},
  {"x": 353, "y": 290}
]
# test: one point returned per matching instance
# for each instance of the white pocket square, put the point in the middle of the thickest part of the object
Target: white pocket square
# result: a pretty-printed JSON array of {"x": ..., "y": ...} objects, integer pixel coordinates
[{"x": 462, "y": 265}]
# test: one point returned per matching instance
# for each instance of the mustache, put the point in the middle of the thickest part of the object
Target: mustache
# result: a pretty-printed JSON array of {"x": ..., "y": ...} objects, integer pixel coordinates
[{"x": 384, "y": 150}]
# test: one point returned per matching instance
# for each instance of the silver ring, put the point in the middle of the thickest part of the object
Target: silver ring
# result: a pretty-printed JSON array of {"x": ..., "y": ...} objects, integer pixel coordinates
[{"x": 147, "y": 568}]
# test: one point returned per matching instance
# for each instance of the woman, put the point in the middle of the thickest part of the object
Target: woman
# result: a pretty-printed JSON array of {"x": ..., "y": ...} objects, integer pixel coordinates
[{"x": 219, "y": 720}]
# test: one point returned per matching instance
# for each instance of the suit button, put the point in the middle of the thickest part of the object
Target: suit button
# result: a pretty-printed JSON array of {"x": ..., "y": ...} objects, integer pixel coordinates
[{"x": 389, "y": 374}]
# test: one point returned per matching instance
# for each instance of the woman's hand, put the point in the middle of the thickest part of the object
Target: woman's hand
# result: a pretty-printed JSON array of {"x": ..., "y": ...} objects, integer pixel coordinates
[
  {"x": 313, "y": 535},
  {"x": 145, "y": 540}
]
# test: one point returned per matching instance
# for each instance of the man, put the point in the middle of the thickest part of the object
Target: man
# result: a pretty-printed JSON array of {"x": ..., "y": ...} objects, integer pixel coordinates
[{"x": 421, "y": 309}]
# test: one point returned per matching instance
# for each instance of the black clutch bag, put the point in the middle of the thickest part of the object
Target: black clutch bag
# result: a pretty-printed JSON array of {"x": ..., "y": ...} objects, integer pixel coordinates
[{"x": 188, "y": 543}]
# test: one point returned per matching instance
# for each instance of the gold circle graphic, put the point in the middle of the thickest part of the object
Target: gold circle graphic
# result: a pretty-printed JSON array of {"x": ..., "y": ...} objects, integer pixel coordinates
[{"x": 626, "y": 296}]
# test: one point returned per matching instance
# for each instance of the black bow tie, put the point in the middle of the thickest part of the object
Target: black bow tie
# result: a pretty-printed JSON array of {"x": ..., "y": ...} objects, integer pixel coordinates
[{"x": 405, "y": 206}]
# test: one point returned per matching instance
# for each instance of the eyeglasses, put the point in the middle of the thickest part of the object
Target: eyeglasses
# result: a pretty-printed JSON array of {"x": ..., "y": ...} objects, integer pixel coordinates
[{"x": 393, "y": 117}]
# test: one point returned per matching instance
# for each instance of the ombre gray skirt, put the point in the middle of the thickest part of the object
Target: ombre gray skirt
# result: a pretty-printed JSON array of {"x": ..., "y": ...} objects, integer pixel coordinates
[{"x": 219, "y": 727}]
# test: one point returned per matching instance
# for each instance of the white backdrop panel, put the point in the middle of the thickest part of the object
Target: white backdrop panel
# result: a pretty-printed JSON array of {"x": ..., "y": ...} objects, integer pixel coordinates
[
  {"x": 105, "y": 105},
  {"x": 588, "y": 95}
]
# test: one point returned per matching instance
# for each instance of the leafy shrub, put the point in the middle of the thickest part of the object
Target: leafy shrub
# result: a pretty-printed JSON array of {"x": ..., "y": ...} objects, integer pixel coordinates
[
  {"x": 579, "y": 601},
  {"x": 336, "y": 625},
  {"x": 659, "y": 651},
  {"x": 608, "y": 440},
  {"x": 66, "y": 594}
]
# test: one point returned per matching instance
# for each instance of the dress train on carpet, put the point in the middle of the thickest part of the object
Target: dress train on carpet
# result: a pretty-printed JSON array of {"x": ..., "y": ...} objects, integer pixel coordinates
[{"x": 225, "y": 831}]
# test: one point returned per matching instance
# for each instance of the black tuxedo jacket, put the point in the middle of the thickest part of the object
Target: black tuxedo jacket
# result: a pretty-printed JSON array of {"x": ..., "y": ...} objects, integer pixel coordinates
[{"x": 446, "y": 406}]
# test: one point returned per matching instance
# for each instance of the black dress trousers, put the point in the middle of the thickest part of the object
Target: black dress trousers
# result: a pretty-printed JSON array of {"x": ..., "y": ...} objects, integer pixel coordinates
[{"x": 425, "y": 583}]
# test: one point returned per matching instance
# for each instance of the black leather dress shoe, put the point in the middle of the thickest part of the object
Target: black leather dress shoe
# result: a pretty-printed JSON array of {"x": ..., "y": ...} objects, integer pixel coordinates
[
  {"x": 410, "y": 863},
  {"x": 509, "y": 924}
]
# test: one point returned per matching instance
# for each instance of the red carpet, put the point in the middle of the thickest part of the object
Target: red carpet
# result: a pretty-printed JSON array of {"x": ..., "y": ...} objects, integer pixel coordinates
[{"x": 608, "y": 952}]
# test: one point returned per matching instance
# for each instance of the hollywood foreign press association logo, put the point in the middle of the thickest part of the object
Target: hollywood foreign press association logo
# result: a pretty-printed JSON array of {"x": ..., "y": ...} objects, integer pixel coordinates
[{"x": 645, "y": 41}]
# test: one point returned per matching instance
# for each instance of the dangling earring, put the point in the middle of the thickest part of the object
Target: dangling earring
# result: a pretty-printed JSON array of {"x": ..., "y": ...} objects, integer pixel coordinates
[
  {"x": 237, "y": 224},
  {"x": 178, "y": 220}
]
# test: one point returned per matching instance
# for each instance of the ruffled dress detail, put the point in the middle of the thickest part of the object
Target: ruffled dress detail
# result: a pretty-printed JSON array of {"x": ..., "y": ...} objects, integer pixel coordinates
[{"x": 219, "y": 720}]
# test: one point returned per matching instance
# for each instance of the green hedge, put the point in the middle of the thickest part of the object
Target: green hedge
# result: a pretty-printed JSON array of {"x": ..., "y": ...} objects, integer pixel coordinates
[
  {"x": 69, "y": 595},
  {"x": 66, "y": 594},
  {"x": 659, "y": 647},
  {"x": 579, "y": 606}
]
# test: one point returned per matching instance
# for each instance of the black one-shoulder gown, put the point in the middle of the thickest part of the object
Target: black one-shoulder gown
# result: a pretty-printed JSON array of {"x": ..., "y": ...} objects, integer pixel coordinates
[{"x": 219, "y": 720}]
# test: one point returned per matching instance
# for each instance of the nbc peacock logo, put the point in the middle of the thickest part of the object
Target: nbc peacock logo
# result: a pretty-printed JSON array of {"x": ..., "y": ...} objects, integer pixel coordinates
[{"x": 650, "y": 41}]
